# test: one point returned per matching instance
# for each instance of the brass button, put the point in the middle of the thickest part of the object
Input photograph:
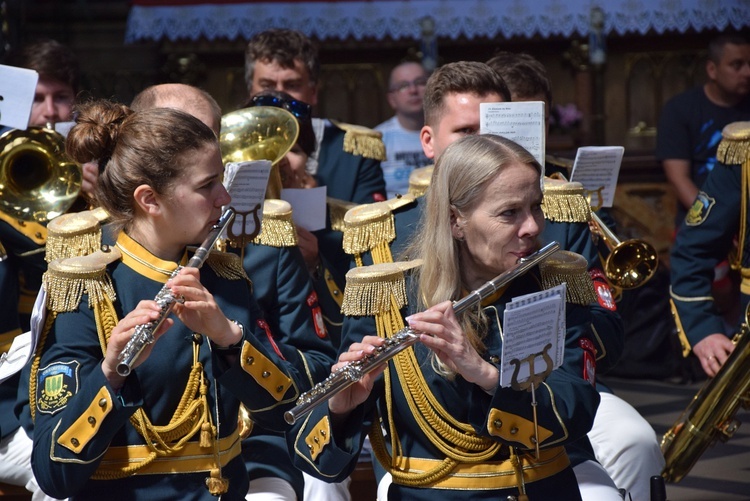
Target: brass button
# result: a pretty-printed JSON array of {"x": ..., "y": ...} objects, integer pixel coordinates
[
  {"x": 102, "y": 402},
  {"x": 309, "y": 446},
  {"x": 74, "y": 441},
  {"x": 279, "y": 389},
  {"x": 249, "y": 360},
  {"x": 315, "y": 439},
  {"x": 335, "y": 293},
  {"x": 513, "y": 431},
  {"x": 92, "y": 420},
  {"x": 494, "y": 359},
  {"x": 533, "y": 439},
  {"x": 323, "y": 433},
  {"x": 265, "y": 374},
  {"x": 497, "y": 423}
]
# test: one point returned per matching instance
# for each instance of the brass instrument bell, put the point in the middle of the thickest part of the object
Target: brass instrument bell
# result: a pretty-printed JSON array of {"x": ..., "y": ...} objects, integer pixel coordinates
[
  {"x": 259, "y": 133},
  {"x": 37, "y": 180}
]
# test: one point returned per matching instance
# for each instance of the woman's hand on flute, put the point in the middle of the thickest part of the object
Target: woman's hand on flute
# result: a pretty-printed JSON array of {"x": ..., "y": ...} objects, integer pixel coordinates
[
  {"x": 346, "y": 400},
  {"x": 199, "y": 311},
  {"x": 146, "y": 311},
  {"x": 442, "y": 333}
]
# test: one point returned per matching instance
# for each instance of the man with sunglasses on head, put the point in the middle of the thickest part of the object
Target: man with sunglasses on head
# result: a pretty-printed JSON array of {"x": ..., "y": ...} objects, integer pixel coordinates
[
  {"x": 401, "y": 132},
  {"x": 287, "y": 61}
]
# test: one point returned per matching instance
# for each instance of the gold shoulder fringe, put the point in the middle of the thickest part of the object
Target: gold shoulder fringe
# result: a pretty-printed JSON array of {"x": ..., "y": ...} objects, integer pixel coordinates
[
  {"x": 277, "y": 227},
  {"x": 71, "y": 235},
  {"x": 362, "y": 141},
  {"x": 734, "y": 147},
  {"x": 369, "y": 289},
  {"x": 67, "y": 280},
  {"x": 227, "y": 265},
  {"x": 572, "y": 268},
  {"x": 337, "y": 210},
  {"x": 419, "y": 180},
  {"x": 565, "y": 201},
  {"x": 367, "y": 226}
]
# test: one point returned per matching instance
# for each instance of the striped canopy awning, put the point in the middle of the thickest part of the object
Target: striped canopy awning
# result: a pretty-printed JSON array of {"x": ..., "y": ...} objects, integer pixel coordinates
[{"x": 403, "y": 19}]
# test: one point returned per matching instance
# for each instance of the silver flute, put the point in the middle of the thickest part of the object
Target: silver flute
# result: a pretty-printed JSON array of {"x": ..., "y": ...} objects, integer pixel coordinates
[
  {"x": 354, "y": 371},
  {"x": 144, "y": 333}
]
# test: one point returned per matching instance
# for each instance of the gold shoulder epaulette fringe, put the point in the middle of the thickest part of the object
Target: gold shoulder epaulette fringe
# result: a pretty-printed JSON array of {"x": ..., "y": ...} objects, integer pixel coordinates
[
  {"x": 337, "y": 210},
  {"x": 227, "y": 265},
  {"x": 277, "y": 228},
  {"x": 572, "y": 268},
  {"x": 734, "y": 147},
  {"x": 71, "y": 235},
  {"x": 369, "y": 289},
  {"x": 362, "y": 141},
  {"x": 367, "y": 226},
  {"x": 67, "y": 280},
  {"x": 419, "y": 180},
  {"x": 564, "y": 201}
]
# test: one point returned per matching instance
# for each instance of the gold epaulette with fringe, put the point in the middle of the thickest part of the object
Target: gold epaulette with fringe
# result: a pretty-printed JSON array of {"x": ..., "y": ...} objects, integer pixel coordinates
[
  {"x": 359, "y": 140},
  {"x": 370, "y": 289},
  {"x": 277, "y": 228},
  {"x": 337, "y": 209},
  {"x": 734, "y": 147},
  {"x": 572, "y": 268},
  {"x": 227, "y": 265},
  {"x": 73, "y": 234},
  {"x": 369, "y": 225},
  {"x": 565, "y": 201},
  {"x": 66, "y": 280},
  {"x": 419, "y": 180}
]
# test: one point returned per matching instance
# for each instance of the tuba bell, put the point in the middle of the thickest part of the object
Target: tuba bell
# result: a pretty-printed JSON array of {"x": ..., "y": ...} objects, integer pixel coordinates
[
  {"x": 710, "y": 415},
  {"x": 37, "y": 180},
  {"x": 259, "y": 133}
]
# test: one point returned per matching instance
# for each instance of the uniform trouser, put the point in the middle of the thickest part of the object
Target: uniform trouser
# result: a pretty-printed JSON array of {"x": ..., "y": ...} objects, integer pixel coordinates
[
  {"x": 594, "y": 483},
  {"x": 317, "y": 490},
  {"x": 15, "y": 464},
  {"x": 270, "y": 489},
  {"x": 626, "y": 446}
]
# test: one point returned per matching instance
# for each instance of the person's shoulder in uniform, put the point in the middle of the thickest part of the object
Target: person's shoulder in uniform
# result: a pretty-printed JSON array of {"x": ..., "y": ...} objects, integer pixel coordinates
[{"x": 349, "y": 163}]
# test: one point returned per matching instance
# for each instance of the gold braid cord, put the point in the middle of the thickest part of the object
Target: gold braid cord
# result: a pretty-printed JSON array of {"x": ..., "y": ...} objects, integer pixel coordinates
[
  {"x": 192, "y": 415},
  {"x": 734, "y": 148},
  {"x": 49, "y": 321},
  {"x": 565, "y": 202},
  {"x": 456, "y": 440}
]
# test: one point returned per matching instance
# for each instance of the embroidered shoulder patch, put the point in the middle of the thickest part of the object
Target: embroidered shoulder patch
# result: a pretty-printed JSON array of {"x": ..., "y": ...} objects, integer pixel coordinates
[
  {"x": 56, "y": 383},
  {"x": 601, "y": 287},
  {"x": 700, "y": 209}
]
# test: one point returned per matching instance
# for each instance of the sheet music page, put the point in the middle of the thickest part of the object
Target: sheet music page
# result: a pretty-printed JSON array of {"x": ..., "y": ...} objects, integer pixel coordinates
[
  {"x": 522, "y": 122},
  {"x": 530, "y": 323},
  {"x": 308, "y": 206},
  {"x": 246, "y": 183},
  {"x": 24, "y": 345},
  {"x": 17, "y": 89},
  {"x": 597, "y": 169}
]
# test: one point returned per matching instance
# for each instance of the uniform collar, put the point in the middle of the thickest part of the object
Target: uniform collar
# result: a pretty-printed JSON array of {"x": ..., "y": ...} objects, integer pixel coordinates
[{"x": 136, "y": 257}]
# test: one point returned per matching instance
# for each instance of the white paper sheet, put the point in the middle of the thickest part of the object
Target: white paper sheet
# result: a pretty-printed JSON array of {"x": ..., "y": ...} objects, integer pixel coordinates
[
  {"x": 597, "y": 169},
  {"x": 308, "y": 206},
  {"x": 17, "y": 89},
  {"x": 530, "y": 323},
  {"x": 521, "y": 122}
]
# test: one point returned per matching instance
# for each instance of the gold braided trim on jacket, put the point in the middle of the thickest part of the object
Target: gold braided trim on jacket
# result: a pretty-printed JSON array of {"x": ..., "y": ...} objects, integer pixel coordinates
[
  {"x": 734, "y": 148},
  {"x": 456, "y": 440},
  {"x": 192, "y": 415}
]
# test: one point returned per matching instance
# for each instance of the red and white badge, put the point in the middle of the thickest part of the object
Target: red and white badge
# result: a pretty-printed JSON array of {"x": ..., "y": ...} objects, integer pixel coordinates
[
  {"x": 589, "y": 360},
  {"x": 602, "y": 289},
  {"x": 317, "y": 315}
]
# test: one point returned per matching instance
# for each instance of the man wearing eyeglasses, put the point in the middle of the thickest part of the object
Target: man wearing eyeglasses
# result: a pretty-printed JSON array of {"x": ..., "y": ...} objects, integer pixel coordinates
[{"x": 401, "y": 132}]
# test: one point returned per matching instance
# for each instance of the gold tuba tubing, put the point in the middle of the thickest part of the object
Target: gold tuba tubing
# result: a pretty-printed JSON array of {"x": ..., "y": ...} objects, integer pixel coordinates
[
  {"x": 710, "y": 415},
  {"x": 37, "y": 180}
]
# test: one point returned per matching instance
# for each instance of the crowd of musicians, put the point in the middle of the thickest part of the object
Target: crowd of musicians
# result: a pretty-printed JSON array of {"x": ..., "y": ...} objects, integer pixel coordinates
[{"x": 422, "y": 213}]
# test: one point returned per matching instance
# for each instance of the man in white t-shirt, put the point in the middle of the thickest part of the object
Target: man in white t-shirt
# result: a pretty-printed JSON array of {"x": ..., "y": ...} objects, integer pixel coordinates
[{"x": 401, "y": 132}]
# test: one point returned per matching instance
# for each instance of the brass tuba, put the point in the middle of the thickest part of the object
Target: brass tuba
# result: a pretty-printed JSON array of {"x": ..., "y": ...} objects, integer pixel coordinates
[
  {"x": 259, "y": 133},
  {"x": 710, "y": 416},
  {"x": 37, "y": 181}
]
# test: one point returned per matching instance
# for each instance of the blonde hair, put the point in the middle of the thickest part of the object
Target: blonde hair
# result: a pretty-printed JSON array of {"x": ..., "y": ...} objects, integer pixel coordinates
[{"x": 461, "y": 175}]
